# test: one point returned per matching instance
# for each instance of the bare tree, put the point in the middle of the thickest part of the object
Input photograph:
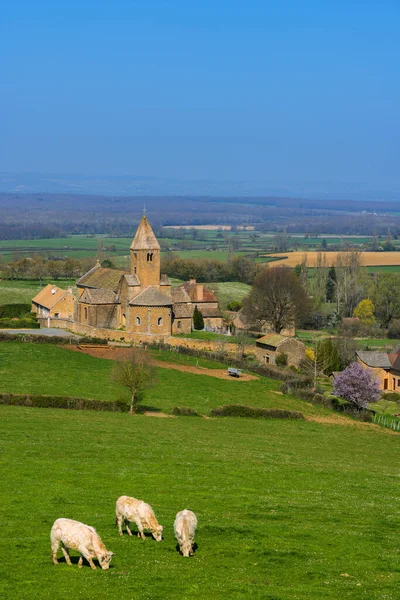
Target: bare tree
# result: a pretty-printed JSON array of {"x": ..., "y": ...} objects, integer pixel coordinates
[
  {"x": 277, "y": 298},
  {"x": 136, "y": 374}
]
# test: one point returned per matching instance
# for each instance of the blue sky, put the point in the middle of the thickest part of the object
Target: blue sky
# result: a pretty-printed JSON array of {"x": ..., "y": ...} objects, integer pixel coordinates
[{"x": 288, "y": 91}]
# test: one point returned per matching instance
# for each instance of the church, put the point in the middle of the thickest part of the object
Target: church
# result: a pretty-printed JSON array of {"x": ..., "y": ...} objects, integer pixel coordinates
[{"x": 142, "y": 300}]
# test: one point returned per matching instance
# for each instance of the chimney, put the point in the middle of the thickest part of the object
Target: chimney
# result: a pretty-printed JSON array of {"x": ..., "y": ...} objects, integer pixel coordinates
[
  {"x": 199, "y": 292},
  {"x": 192, "y": 281},
  {"x": 69, "y": 289},
  {"x": 53, "y": 289}
]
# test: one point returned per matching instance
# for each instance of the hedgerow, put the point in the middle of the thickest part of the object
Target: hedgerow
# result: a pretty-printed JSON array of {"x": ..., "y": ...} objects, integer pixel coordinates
[{"x": 240, "y": 410}]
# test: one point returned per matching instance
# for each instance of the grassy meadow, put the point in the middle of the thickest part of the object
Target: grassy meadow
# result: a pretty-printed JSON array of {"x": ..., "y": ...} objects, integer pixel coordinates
[{"x": 286, "y": 510}]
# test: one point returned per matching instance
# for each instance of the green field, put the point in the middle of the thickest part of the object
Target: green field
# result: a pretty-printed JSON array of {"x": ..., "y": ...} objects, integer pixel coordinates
[
  {"x": 23, "y": 290},
  {"x": 285, "y": 509}
]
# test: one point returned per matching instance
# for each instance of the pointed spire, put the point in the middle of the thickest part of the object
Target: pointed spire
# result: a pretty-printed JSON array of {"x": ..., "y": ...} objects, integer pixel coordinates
[{"x": 145, "y": 238}]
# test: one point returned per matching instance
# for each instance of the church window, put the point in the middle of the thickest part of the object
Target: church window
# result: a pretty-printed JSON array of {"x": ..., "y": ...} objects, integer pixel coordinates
[
  {"x": 149, "y": 257},
  {"x": 267, "y": 358},
  {"x": 137, "y": 320},
  {"x": 159, "y": 321},
  {"x": 134, "y": 270},
  {"x": 178, "y": 324},
  {"x": 85, "y": 312}
]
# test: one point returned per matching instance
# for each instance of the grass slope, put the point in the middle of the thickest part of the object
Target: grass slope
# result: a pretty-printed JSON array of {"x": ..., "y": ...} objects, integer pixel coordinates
[{"x": 284, "y": 508}]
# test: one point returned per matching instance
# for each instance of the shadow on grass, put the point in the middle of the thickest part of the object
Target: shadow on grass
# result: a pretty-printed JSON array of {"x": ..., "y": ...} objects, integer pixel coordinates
[
  {"x": 142, "y": 408},
  {"x": 194, "y": 548},
  {"x": 75, "y": 560}
]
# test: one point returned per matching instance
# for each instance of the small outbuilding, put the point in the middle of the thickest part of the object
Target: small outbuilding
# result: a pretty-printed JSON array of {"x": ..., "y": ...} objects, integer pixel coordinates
[
  {"x": 54, "y": 302},
  {"x": 379, "y": 364},
  {"x": 272, "y": 344}
]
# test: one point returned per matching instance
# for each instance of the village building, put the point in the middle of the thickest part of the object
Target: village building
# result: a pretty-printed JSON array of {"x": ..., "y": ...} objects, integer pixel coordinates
[
  {"x": 54, "y": 302},
  {"x": 271, "y": 345},
  {"x": 380, "y": 366},
  {"x": 140, "y": 301}
]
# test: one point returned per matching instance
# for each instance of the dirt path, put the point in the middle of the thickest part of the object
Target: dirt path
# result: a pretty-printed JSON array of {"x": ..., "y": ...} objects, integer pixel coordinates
[
  {"x": 335, "y": 419},
  {"x": 121, "y": 353}
]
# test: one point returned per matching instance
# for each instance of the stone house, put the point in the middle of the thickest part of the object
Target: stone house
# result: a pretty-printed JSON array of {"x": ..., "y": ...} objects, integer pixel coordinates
[
  {"x": 206, "y": 302},
  {"x": 379, "y": 364},
  {"x": 272, "y": 344},
  {"x": 54, "y": 302}
]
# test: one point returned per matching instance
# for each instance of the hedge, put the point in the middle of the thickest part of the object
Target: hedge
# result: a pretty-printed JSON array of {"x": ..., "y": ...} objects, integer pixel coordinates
[
  {"x": 41, "y": 401},
  {"x": 11, "y": 311},
  {"x": 15, "y": 323},
  {"x": 184, "y": 411},
  {"x": 241, "y": 410}
]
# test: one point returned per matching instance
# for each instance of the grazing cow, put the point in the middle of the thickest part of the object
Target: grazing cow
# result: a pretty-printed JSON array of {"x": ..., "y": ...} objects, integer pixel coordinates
[
  {"x": 83, "y": 538},
  {"x": 129, "y": 509},
  {"x": 185, "y": 527}
]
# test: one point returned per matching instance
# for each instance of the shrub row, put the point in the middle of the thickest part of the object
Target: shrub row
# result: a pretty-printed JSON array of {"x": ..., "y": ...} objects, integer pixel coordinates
[
  {"x": 49, "y": 339},
  {"x": 241, "y": 410},
  {"x": 184, "y": 411},
  {"x": 12, "y": 311},
  {"x": 331, "y": 402},
  {"x": 41, "y": 401},
  {"x": 16, "y": 323}
]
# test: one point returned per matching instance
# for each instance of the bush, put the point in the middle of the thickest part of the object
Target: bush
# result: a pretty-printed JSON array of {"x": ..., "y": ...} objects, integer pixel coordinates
[
  {"x": 394, "y": 330},
  {"x": 11, "y": 311},
  {"x": 281, "y": 359},
  {"x": 41, "y": 401},
  {"x": 241, "y": 410},
  {"x": 234, "y": 306},
  {"x": 392, "y": 396},
  {"x": 16, "y": 323},
  {"x": 198, "y": 321},
  {"x": 184, "y": 411}
]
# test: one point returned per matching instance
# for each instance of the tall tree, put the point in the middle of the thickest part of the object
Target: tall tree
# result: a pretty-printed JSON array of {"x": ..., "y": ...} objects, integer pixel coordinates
[
  {"x": 277, "y": 298},
  {"x": 198, "y": 321},
  {"x": 136, "y": 374},
  {"x": 384, "y": 291},
  {"x": 349, "y": 285},
  {"x": 331, "y": 285}
]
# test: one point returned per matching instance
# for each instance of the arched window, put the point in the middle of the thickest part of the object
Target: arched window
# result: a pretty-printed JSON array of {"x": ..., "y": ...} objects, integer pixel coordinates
[
  {"x": 137, "y": 320},
  {"x": 149, "y": 257},
  {"x": 159, "y": 321},
  {"x": 85, "y": 312}
]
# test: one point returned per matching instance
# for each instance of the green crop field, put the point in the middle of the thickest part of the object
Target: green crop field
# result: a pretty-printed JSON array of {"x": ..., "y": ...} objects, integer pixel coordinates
[{"x": 23, "y": 290}]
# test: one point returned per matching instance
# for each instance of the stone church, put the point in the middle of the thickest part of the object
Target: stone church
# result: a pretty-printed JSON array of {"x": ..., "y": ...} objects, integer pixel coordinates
[{"x": 142, "y": 301}]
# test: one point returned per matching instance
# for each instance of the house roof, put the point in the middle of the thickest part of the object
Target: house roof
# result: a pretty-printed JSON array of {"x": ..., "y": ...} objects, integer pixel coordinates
[
  {"x": 208, "y": 295},
  {"x": 374, "y": 359},
  {"x": 272, "y": 339},
  {"x": 179, "y": 294},
  {"x": 49, "y": 296},
  {"x": 183, "y": 311},
  {"x": 395, "y": 361},
  {"x": 209, "y": 311},
  {"x": 100, "y": 277},
  {"x": 151, "y": 297},
  {"x": 144, "y": 238},
  {"x": 98, "y": 296},
  {"x": 131, "y": 280}
]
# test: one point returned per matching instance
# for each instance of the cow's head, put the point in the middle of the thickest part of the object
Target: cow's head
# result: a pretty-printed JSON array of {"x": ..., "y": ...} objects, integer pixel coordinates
[
  {"x": 157, "y": 533},
  {"x": 105, "y": 560},
  {"x": 186, "y": 549}
]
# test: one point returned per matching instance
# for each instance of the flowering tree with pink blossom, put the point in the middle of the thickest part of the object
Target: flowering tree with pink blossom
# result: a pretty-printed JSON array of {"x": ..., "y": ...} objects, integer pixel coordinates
[{"x": 357, "y": 385}]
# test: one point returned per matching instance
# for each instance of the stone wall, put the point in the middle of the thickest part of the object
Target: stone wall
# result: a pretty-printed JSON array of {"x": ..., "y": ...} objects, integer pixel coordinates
[{"x": 124, "y": 336}]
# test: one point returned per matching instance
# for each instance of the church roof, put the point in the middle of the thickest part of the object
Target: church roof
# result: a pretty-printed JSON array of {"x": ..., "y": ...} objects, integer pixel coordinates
[
  {"x": 131, "y": 280},
  {"x": 151, "y": 297},
  {"x": 100, "y": 277},
  {"x": 49, "y": 296},
  {"x": 98, "y": 296},
  {"x": 179, "y": 294},
  {"x": 145, "y": 238},
  {"x": 182, "y": 311}
]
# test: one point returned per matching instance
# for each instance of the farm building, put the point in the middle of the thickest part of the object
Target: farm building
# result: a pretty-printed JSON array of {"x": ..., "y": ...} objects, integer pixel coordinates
[
  {"x": 271, "y": 345},
  {"x": 379, "y": 364},
  {"x": 54, "y": 302},
  {"x": 141, "y": 301}
]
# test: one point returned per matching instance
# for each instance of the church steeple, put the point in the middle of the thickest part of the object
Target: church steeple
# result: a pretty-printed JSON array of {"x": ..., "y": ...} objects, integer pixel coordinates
[{"x": 145, "y": 255}]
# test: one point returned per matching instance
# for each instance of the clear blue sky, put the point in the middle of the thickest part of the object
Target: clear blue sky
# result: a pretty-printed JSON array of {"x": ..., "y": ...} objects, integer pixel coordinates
[{"x": 211, "y": 89}]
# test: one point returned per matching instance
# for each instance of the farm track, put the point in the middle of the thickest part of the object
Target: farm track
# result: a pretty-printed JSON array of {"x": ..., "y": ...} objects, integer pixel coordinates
[{"x": 121, "y": 353}]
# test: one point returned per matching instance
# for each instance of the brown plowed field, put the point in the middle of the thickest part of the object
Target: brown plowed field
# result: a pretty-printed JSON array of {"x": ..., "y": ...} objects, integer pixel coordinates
[
  {"x": 368, "y": 259},
  {"x": 121, "y": 353}
]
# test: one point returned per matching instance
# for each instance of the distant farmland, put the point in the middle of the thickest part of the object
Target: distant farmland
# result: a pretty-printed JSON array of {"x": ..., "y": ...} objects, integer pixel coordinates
[{"x": 368, "y": 259}]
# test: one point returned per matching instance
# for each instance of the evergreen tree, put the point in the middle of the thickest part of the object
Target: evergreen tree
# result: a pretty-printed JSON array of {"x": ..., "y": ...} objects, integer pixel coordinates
[
  {"x": 198, "y": 321},
  {"x": 330, "y": 285}
]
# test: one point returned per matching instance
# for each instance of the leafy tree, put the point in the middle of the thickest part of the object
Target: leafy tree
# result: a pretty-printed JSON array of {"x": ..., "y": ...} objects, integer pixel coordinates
[
  {"x": 357, "y": 385},
  {"x": 198, "y": 321},
  {"x": 234, "y": 305},
  {"x": 281, "y": 359},
  {"x": 385, "y": 294},
  {"x": 388, "y": 245},
  {"x": 136, "y": 374},
  {"x": 324, "y": 245},
  {"x": 277, "y": 298},
  {"x": 331, "y": 284},
  {"x": 365, "y": 312}
]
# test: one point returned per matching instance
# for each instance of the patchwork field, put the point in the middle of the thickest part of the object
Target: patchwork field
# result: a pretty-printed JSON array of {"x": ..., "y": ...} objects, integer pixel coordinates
[{"x": 368, "y": 259}]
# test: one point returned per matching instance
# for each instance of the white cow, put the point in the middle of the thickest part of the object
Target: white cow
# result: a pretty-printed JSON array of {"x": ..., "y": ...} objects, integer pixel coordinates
[
  {"x": 83, "y": 538},
  {"x": 185, "y": 527},
  {"x": 129, "y": 509}
]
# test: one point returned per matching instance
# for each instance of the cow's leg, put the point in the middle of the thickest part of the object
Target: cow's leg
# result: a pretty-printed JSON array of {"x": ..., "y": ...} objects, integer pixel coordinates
[
  {"x": 127, "y": 527},
  {"x": 80, "y": 561},
  {"x": 54, "y": 549},
  {"x": 140, "y": 529},
  {"x": 119, "y": 523},
  {"x": 66, "y": 554},
  {"x": 88, "y": 557}
]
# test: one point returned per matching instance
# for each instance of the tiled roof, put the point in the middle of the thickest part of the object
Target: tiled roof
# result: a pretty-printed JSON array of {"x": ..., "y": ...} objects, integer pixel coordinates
[
  {"x": 164, "y": 279},
  {"x": 395, "y": 361},
  {"x": 131, "y": 280},
  {"x": 98, "y": 296},
  {"x": 144, "y": 238},
  {"x": 208, "y": 295},
  {"x": 182, "y": 311},
  {"x": 47, "y": 298},
  {"x": 179, "y": 294},
  {"x": 374, "y": 359},
  {"x": 99, "y": 277},
  {"x": 151, "y": 297},
  {"x": 272, "y": 339},
  {"x": 209, "y": 311}
]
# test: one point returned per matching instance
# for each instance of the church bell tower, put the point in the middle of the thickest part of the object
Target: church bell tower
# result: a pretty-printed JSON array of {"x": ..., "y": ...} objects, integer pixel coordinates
[{"x": 145, "y": 255}]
